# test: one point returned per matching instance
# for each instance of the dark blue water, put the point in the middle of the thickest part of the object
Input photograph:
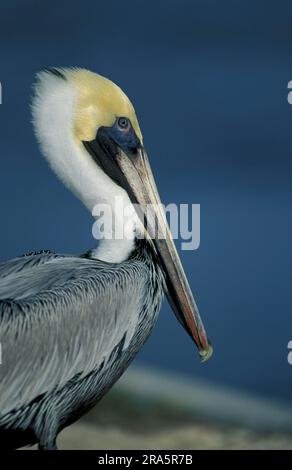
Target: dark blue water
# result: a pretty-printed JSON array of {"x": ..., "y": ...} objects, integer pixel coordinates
[{"x": 209, "y": 82}]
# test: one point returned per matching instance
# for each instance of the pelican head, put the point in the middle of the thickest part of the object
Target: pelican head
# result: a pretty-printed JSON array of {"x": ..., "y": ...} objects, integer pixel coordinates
[{"x": 89, "y": 132}]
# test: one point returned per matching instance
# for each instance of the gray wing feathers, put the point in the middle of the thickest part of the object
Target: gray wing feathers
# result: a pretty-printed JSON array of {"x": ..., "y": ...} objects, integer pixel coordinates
[
  {"x": 63, "y": 318},
  {"x": 22, "y": 263},
  {"x": 24, "y": 276}
]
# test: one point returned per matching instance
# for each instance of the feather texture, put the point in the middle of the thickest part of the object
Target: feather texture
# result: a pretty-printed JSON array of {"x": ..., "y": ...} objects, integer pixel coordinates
[{"x": 68, "y": 328}]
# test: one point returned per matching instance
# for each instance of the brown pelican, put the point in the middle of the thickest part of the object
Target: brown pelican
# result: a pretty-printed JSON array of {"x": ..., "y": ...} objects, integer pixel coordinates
[{"x": 70, "y": 325}]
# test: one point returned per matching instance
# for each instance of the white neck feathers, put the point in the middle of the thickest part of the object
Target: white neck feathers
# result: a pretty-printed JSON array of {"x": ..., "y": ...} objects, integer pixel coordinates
[{"x": 53, "y": 117}]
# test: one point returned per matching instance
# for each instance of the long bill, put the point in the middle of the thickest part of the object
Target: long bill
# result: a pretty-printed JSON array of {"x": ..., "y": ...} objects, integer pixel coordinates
[{"x": 138, "y": 175}]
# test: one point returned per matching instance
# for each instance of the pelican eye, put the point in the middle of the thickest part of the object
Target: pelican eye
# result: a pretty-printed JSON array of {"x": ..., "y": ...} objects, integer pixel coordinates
[{"x": 124, "y": 123}]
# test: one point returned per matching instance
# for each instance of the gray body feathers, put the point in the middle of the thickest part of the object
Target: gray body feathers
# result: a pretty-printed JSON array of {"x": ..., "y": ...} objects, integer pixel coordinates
[{"x": 69, "y": 326}]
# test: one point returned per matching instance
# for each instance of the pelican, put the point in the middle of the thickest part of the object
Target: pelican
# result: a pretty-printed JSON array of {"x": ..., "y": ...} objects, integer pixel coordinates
[{"x": 71, "y": 325}]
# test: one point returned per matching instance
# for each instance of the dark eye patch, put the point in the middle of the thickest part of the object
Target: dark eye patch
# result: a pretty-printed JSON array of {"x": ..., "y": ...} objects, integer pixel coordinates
[{"x": 123, "y": 134}]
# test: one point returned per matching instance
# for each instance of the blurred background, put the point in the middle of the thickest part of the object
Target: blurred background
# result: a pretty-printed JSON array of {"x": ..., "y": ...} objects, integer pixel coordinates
[{"x": 209, "y": 83}]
